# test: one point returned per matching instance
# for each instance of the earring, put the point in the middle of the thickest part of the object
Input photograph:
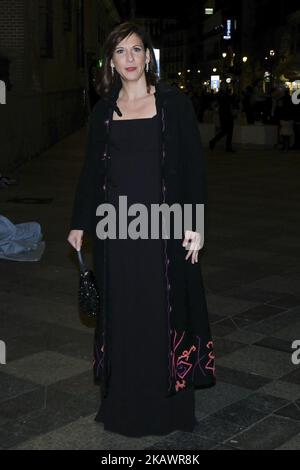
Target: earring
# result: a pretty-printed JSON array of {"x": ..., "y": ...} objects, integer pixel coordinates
[
  {"x": 147, "y": 67},
  {"x": 112, "y": 70}
]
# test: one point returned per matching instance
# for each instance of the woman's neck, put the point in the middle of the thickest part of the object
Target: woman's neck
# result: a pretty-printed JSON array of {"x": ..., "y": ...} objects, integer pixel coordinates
[{"x": 131, "y": 92}]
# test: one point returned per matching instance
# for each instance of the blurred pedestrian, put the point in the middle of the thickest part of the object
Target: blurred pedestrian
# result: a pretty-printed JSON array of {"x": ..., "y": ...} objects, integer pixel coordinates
[
  {"x": 247, "y": 103},
  {"x": 227, "y": 109},
  {"x": 286, "y": 123},
  {"x": 196, "y": 101}
]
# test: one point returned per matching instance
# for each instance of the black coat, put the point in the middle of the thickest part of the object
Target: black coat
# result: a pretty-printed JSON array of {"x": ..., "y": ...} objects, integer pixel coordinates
[{"x": 191, "y": 358}]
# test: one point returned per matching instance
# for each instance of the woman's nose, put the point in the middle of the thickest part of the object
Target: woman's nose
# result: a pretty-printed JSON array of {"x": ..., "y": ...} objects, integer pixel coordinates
[{"x": 130, "y": 56}]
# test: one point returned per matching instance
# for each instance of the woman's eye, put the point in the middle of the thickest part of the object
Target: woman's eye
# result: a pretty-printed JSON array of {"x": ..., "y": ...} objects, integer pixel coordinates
[{"x": 136, "y": 49}]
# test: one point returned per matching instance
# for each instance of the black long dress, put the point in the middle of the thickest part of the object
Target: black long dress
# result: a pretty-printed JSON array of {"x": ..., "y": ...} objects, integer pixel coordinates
[{"x": 137, "y": 404}]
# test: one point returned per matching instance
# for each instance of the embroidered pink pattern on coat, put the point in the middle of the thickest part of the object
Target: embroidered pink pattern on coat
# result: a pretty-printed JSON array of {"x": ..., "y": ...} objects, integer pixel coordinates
[
  {"x": 188, "y": 364},
  {"x": 197, "y": 359},
  {"x": 98, "y": 362}
]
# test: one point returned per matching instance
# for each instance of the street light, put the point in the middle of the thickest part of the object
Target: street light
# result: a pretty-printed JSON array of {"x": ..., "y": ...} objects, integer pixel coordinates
[
  {"x": 245, "y": 59},
  {"x": 214, "y": 69},
  {"x": 224, "y": 55},
  {"x": 272, "y": 60}
]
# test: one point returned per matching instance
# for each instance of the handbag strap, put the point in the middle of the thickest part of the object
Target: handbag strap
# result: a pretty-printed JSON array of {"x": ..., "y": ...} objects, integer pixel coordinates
[{"x": 81, "y": 262}]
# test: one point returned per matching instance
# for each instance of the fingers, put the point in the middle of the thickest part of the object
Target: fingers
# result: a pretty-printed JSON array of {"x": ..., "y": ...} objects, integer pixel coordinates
[
  {"x": 75, "y": 240},
  {"x": 78, "y": 244},
  {"x": 193, "y": 255},
  {"x": 192, "y": 243},
  {"x": 73, "y": 243},
  {"x": 187, "y": 238}
]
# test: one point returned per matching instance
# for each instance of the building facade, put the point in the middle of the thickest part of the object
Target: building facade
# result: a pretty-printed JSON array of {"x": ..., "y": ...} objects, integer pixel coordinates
[
  {"x": 46, "y": 48},
  {"x": 251, "y": 42}
]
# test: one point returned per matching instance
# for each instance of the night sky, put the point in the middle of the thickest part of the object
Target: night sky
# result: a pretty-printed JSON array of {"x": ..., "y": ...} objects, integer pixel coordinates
[{"x": 154, "y": 8}]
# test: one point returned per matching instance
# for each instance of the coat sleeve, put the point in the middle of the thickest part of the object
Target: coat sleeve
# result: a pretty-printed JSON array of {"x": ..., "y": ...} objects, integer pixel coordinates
[
  {"x": 84, "y": 201},
  {"x": 194, "y": 167}
]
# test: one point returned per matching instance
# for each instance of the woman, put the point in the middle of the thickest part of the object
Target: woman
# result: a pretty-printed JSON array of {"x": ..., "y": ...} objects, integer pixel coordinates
[{"x": 152, "y": 341}]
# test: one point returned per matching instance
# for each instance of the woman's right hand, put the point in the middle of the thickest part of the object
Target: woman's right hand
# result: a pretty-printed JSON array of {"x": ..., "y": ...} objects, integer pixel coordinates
[{"x": 75, "y": 239}]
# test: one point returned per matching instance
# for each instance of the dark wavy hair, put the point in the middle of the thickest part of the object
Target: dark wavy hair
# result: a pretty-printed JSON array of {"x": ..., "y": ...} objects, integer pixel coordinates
[{"x": 108, "y": 82}]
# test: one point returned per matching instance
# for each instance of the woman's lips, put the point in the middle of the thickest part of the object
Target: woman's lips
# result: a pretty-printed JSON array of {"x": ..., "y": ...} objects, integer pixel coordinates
[{"x": 130, "y": 69}]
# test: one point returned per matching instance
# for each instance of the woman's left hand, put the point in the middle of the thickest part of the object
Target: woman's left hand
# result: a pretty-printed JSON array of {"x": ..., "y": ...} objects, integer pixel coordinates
[{"x": 192, "y": 242}]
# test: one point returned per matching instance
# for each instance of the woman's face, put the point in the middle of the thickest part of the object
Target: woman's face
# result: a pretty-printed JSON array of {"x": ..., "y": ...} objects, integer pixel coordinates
[{"x": 129, "y": 58}]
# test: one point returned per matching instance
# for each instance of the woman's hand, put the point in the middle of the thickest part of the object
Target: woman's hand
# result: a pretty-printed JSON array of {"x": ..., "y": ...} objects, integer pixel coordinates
[
  {"x": 75, "y": 239},
  {"x": 192, "y": 242}
]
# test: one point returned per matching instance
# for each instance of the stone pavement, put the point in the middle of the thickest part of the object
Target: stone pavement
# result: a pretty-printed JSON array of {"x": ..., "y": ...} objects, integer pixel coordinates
[{"x": 251, "y": 272}]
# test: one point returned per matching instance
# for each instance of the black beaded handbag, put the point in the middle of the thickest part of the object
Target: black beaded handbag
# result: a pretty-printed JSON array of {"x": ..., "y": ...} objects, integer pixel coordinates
[{"x": 88, "y": 295}]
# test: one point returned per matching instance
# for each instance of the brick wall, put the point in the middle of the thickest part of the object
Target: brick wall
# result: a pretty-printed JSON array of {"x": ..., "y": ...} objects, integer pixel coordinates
[
  {"x": 12, "y": 38},
  {"x": 46, "y": 101}
]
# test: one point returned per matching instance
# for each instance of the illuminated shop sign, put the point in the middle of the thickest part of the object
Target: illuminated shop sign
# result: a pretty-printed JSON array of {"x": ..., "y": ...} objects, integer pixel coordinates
[
  {"x": 215, "y": 82},
  {"x": 157, "y": 57},
  {"x": 228, "y": 29}
]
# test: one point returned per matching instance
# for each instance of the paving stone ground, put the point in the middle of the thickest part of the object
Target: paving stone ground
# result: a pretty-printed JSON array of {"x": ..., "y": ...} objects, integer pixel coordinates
[{"x": 251, "y": 272}]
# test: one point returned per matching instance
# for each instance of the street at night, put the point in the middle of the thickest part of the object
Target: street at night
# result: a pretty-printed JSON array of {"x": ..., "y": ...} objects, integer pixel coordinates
[
  {"x": 251, "y": 272},
  {"x": 148, "y": 351}
]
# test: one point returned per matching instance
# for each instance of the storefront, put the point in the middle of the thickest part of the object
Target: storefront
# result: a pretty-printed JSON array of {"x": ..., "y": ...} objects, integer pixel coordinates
[{"x": 289, "y": 74}]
